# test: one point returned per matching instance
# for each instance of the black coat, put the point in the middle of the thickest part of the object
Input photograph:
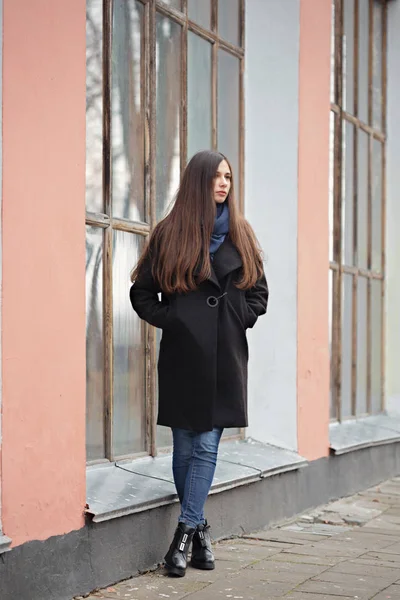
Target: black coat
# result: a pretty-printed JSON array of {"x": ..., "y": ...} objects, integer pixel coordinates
[{"x": 202, "y": 366}]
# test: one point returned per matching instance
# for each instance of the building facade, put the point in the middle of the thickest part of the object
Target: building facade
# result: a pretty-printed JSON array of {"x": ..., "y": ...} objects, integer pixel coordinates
[{"x": 102, "y": 104}]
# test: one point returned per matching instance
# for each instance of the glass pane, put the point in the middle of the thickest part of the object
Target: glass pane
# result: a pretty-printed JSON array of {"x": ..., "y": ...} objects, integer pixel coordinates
[
  {"x": 347, "y": 320},
  {"x": 129, "y": 417},
  {"x": 332, "y": 403},
  {"x": 94, "y": 106},
  {"x": 363, "y": 50},
  {"x": 199, "y": 11},
  {"x": 228, "y": 112},
  {"x": 376, "y": 346},
  {"x": 377, "y": 70},
  {"x": 199, "y": 94},
  {"x": 127, "y": 112},
  {"x": 376, "y": 205},
  {"x": 228, "y": 20},
  {"x": 361, "y": 400},
  {"x": 331, "y": 182},
  {"x": 168, "y": 98},
  {"x": 348, "y": 56},
  {"x": 347, "y": 194},
  {"x": 174, "y": 3},
  {"x": 332, "y": 283},
  {"x": 94, "y": 344},
  {"x": 362, "y": 200},
  {"x": 332, "y": 406},
  {"x": 333, "y": 90}
]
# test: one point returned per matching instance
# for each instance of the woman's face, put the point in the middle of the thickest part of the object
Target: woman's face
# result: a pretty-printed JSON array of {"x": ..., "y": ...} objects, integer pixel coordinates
[{"x": 222, "y": 182}]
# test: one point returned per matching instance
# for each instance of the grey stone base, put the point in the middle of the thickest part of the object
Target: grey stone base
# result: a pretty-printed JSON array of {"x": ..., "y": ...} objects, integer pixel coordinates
[
  {"x": 104, "y": 553},
  {"x": 5, "y": 543}
]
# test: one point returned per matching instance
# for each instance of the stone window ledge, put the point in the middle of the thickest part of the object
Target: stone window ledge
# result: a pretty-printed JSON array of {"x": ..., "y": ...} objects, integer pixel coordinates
[
  {"x": 356, "y": 434},
  {"x": 5, "y": 543},
  {"x": 128, "y": 487}
]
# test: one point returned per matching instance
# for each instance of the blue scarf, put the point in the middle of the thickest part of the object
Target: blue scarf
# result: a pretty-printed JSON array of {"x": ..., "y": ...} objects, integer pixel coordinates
[{"x": 221, "y": 228}]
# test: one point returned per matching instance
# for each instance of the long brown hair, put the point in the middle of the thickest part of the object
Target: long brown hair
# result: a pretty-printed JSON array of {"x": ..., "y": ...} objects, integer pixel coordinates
[{"x": 179, "y": 245}]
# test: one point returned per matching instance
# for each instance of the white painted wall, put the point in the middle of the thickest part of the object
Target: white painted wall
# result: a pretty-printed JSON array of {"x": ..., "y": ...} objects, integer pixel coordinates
[
  {"x": 392, "y": 307},
  {"x": 271, "y": 153}
]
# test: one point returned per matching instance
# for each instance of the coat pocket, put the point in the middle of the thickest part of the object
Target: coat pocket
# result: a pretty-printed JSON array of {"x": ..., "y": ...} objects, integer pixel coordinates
[
  {"x": 240, "y": 313},
  {"x": 245, "y": 312},
  {"x": 171, "y": 322}
]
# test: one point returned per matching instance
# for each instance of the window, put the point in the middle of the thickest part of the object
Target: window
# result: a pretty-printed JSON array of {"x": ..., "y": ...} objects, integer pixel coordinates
[
  {"x": 164, "y": 80},
  {"x": 357, "y": 206}
]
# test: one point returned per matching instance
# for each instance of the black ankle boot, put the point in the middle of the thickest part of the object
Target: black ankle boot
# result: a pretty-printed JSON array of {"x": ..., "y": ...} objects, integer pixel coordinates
[
  {"x": 176, "y": 557},
  {"x": 202, "y": 554}
]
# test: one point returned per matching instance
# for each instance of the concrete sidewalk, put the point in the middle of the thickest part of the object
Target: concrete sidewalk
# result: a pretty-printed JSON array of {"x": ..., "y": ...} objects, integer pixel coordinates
[{"x": 346, "y": 549}]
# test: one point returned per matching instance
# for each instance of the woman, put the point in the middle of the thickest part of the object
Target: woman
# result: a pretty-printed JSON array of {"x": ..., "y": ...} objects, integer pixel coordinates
[{"x": 205, "y": 260}]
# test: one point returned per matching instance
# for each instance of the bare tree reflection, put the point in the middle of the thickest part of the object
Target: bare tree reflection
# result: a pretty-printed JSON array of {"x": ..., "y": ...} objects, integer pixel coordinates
[
  {"x": 168, "y": 38},
  {"x": 127, "y": 111},
  {"x": 128, "y": 194},
  {"x": 94, "y": 246},
  {"x": 94, "y": 106},
  {"x": 94, "y": 344}
]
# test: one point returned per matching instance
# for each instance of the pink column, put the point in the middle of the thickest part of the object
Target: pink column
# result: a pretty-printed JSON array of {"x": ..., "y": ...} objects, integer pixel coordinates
[
  {"x": 43, "y": 268},
  {"x": 313, "y": 253}
]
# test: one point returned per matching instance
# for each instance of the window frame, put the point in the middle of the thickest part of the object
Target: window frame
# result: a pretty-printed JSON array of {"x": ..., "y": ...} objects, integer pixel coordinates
[
  {"x": 337, "y": 266},
  {"x": 108, "y": 223}
]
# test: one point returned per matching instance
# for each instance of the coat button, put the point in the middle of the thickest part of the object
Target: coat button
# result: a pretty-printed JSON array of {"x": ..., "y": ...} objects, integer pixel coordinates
[{"x": 212, "y": 301}]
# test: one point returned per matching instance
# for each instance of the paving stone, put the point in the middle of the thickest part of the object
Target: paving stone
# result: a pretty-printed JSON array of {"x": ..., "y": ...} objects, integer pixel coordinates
[
  {"x": 326, "y": 549},
  {"x": 307, "y": 518},
  {"x": 257, "y": 541},
  {"x": 386, "y": 556},
  {"x": 350, "y": 579},
  {"x": 392, "y": 549},
  {"x": 366, "y": 502},
  {"x": 307, "y": 559},
  {"x": 382, "y": 523},
  {"x": 280, "y": 568},
  {"x": 381, "y": 499},
  {"x": 244, "y": 589},
  {"x": 356, "y": 506},
  {"x": 289, "y": 574},
  {"x": 381, "y": 531},
  {"x": 295, "y": 579},
  {"x": 244, "y": 554},
  {"x": 358, "y": 539},
  {"x": 337, "y": 589},
  {"x": 329, "y": 518},
  {"x": 390, "y": 592},
  {"x": 389, "y": 518},
  {"x": 294, "y": 528},
  {"x": 393, "y": 510},
  {"x": 376, "y": 562},
  {"x": 150, "y": 587},
  {"x": 362, "y": 567},
  {"x": 287, "y": 537},
  {"x": 326, "y": 529},
  {"x": 390, "y": 487},
  {"x": 223, "y": 569},
  {"x": 307, "y": 596}
]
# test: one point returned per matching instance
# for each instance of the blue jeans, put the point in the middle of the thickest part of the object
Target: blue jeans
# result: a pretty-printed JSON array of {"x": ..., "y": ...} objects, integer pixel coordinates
[{"x": 193, "y": 464}]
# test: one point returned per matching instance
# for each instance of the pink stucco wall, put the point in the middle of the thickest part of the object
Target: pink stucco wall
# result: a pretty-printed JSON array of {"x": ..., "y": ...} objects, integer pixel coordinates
[
  {"x": 43, "y": 459},
  {"x": 313, "y": 252}
]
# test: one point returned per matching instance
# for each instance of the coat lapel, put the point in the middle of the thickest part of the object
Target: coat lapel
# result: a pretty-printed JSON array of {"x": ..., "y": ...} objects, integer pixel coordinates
[
  {"x": 226, "y": 260},
  {"x": 213, "y": 277}
]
